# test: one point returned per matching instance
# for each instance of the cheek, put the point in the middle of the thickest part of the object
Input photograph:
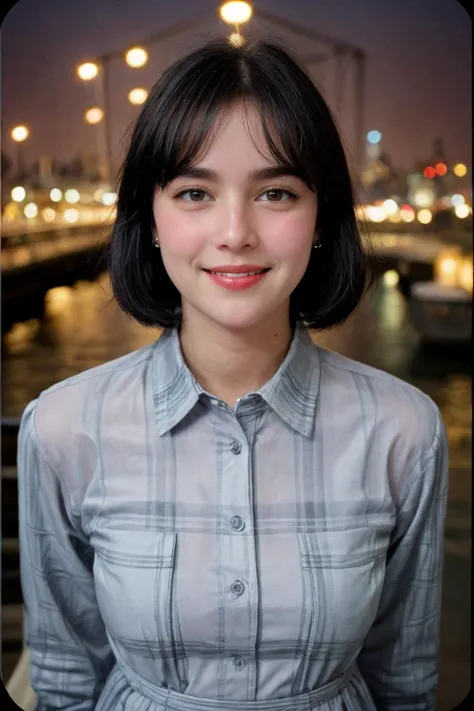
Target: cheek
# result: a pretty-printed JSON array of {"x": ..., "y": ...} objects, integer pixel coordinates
[
  {"x": 178, "y": 235},
  {"x": 291, "y": 238}
]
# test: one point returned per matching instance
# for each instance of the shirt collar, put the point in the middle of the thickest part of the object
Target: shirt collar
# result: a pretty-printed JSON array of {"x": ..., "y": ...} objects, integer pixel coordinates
[{"x": 292, "y": 392}]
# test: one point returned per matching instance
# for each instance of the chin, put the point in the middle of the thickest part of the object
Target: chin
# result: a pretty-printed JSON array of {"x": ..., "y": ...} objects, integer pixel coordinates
[{"x": 235, "y": 320}]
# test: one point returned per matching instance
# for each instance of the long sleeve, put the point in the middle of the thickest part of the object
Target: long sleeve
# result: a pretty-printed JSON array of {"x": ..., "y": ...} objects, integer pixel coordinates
[
  {"x": 70, "y": 654},
  {"x": 399, "y": 658}
]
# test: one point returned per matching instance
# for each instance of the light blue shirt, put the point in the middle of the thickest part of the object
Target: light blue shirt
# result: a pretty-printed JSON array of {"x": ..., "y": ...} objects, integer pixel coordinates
[{"x": 284, "y": 555}]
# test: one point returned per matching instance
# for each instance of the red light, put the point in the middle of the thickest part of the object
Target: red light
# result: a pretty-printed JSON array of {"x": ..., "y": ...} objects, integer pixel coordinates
[
  {"x": 429, "y": 172},
  {"x": 441, "y": 168}
]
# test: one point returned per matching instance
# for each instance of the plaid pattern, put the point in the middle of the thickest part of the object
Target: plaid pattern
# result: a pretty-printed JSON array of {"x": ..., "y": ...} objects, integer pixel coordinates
[{"x": 177, "y": 554}]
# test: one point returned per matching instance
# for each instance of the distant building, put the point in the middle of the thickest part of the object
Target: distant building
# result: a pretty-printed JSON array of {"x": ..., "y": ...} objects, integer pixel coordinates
[
  {"x": 89, "y": 163},
  {"x": 379, "y": 178}
]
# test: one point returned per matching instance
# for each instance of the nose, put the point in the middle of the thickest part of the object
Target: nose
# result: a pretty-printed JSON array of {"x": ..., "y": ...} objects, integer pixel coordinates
[{"x": 236, "y": 229}]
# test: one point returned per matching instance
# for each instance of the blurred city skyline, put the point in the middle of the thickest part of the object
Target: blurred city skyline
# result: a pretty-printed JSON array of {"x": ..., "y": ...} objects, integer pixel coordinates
[{"x": 418, "y": 73}]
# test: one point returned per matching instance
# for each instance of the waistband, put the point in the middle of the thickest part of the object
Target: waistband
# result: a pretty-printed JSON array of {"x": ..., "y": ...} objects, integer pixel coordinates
[{"x": 175, "y": 701}]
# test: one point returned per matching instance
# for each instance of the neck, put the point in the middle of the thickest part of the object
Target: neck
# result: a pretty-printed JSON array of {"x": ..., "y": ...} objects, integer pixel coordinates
[{"x": 230, "y": 363}]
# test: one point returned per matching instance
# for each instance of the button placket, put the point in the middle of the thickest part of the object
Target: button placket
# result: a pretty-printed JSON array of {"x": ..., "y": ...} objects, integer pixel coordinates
[{"x": 238, "y": 575}]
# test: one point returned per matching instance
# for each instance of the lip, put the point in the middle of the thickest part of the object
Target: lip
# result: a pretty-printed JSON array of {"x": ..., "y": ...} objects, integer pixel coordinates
[
  {"x": 236, "y": 269},
  {"x": 237, "y": 283}
]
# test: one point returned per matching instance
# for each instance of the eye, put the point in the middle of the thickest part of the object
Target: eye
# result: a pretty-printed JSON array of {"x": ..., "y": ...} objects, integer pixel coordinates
[
  {"x": 192, "y": 195},
  {"x": 278, "y": 195}
]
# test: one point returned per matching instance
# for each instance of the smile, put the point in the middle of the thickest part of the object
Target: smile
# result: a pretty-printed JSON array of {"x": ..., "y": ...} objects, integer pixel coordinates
[
  {"x": 239, "y": 274},
  {"x": 234, "y": 281}
]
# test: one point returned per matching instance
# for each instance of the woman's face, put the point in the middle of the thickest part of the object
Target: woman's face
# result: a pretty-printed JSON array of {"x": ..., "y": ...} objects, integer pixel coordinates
[{"x": 229, "y": 213}]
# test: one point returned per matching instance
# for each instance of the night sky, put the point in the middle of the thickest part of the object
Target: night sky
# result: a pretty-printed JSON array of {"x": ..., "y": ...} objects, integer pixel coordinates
[{"x": 418, "y": 83}]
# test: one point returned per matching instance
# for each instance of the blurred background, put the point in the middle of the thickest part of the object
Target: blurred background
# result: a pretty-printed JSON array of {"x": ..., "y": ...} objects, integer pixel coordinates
[{"x": 397, "y": 77}]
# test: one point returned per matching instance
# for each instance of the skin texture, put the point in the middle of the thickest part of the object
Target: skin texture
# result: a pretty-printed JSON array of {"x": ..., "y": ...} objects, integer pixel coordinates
[{"x": 234, "y": 341}]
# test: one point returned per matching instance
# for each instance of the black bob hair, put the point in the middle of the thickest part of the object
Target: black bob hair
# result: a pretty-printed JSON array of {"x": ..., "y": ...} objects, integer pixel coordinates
[{"x": 171, "y": 131}]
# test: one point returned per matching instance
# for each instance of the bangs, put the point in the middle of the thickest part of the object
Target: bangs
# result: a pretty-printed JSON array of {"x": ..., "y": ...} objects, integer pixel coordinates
[
  {"x": 187, "y": 126},
  {"x": 284, "y": 138}
]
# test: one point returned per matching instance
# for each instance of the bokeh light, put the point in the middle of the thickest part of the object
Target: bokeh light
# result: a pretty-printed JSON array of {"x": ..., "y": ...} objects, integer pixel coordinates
[
  {"x": 72, "y": 196},
  {"x": 136, "y": 57},
  {"x": 424, "y": 216},
  {"x": 424, "y": 197},
  {"x": 465, "y": 276},
  {"x": 31, "y": 210},
  {"x": 56, "y": 195},
  {"x": 138, "y": 96},
  {"x": 20, "y": 133},
  {"x": 48, "y": 214},
  {"x": 88, "y": 71},
  {"x": 461, "y": 211},
  {"x": 390, "y": 206},
  {"x": 18, "y": 193},
  {"x": 407, "y": 213},
  {"x": 235, "y": 13},
  {"x": 391, "y": 278},
  {"x": 374, "y": 137},
  {"x": 460, "y": 170},
  {"x": 71, "y": 215},
  {"x": 376, "y": 213},
  {"x": 108, "y": 198},
  {"x": 94, "y": 115}
]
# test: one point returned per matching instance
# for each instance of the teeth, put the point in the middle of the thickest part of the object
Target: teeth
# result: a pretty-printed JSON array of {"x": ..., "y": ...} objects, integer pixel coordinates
[{"x": 240, "y": 274}]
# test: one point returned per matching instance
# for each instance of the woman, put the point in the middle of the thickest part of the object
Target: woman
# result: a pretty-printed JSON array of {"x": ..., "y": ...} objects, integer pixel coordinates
[{"x": 232, "y": 517}]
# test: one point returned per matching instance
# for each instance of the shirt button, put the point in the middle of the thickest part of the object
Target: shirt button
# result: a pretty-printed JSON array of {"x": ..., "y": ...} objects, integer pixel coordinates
[
  {"x": 235, "y": 447},
  {"x": 237, "y": 587},
  {"x": 237, "y": 524},
  {"x": 238, "y": 662}
]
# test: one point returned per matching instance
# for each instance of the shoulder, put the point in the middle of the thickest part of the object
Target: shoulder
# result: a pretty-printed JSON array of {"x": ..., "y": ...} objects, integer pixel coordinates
[
  {"x": 396, "y": 412},
  {"x": 386, "y": 389},
  {"x": 73, "y": 406}
]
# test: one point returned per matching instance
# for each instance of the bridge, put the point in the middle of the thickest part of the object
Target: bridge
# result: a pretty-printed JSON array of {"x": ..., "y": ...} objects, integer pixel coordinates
[{"x": 31, "y": 268}]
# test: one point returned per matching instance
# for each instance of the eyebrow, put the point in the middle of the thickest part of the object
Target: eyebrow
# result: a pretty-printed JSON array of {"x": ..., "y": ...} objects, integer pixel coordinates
[{"x": 277, "y": 171}]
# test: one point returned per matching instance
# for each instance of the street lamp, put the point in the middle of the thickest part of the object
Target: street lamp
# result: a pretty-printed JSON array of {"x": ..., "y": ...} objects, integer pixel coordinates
[
  {"x": 19, "y": 135},
  {"x": 138, "y": 96},
  {"x": 136, "y": 57},
  {"x": 87, "y": 71},
  {"x": 95, "y": 115},
  {"x": 236, "y": 13}
]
